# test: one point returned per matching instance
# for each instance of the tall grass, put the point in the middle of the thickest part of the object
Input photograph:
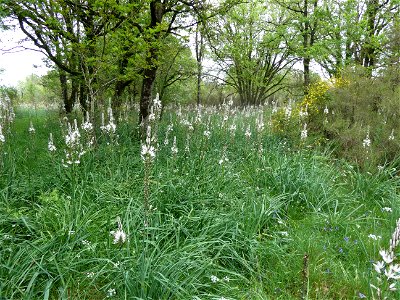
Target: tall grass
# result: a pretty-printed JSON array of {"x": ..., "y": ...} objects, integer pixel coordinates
[{"x": 236, "y": 229}]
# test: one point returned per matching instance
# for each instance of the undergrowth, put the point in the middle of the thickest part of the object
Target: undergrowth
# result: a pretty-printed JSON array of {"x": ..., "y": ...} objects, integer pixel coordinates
[{"x": 233, "y": 216}]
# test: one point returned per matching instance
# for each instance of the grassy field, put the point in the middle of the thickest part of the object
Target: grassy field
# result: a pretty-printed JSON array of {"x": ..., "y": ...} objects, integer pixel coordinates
[{"x": 228, "y": 211}]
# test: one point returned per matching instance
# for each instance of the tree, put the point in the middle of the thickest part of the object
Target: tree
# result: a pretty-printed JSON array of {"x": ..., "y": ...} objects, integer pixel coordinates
[
  {"x": 165, "y": 18},
  {"x": 378, "y": 16},
  {"x": 99, "y": 44},
  {"x": 199, "y": 47},
  {"x": 68, "y": 33},
  {"x": 355, "y": 32},
  {"x": 177, "y": 67},
  {"x": 304, "y": 19},
  {"x": 251, "y": 50}
]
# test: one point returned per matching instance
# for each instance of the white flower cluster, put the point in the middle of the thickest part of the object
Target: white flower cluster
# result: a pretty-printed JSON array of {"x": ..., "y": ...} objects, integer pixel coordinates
[
  {"x": 73, "y": 135},
  {"x": 367, "y": 141},
  {"x": 74, "y": 149},
  {"x": 387, "y": 209},
  {"x": 111, "y": 293},
  {"x": 170, "y": 128},
  {"x": 226, "y": 108},
  {"x": 187, "y": 123},
  {"x": 119, "y": 234},
  {"x": 7, "y": 114},
  {"x": 374, "y": 237},
  {"x": 303, "y": 113},
  {"x": 179, "y": 111},
  {"x": 207, "y": 133},
  {"x": 388, "y": 271},
  {"x": 157, "y": 103},
  {"x": 215, "y": 279},
  {"x": 198, "y": 119},
  {"x": 288, "y": 110},
  {"x": 150, "y": 145},
  {"x": 391, "y": 136},
  {"x": 224, "y": 157},
  {"x": 304, "y": 132},
  {"x": 232, "y": 129},
  {"x": 88, "y": 133},
  {"x": 274, "y": 107},
  {"x": 187, "y": 143},
  {"x": 248, "y": 132},
  {"x": 87, "y": 125},
  {"x": 31, "y": 129},
  {"x": 148, "y": 150},
  {"x": 2, "y": 137},
  {"x": 155, "y": 108},
  {"x": 174, "y": 148},
  {"x": 51, "y": 147},
  {"x": 110, "y": 127},
  {"x": 260, "y": 123}
]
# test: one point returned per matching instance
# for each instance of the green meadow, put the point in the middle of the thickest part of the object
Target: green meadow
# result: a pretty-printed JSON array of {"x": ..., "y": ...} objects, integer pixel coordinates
[{"x": 223, "y": 209}]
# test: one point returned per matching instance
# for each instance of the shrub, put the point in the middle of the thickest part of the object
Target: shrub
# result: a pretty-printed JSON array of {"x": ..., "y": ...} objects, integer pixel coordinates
[
  {"x": 366, "y": 106},
  {"x": 358, "y": 113}
]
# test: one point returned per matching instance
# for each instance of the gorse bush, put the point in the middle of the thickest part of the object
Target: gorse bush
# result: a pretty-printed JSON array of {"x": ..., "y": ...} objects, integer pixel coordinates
[
  {"x": 365, "y": 106},
  {"x": 356, "y": 113},
  {"x": 307, "y": 114}
]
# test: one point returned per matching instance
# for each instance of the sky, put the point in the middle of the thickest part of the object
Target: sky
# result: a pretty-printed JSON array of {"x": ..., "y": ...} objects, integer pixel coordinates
[{"x": 18, "y": 63}]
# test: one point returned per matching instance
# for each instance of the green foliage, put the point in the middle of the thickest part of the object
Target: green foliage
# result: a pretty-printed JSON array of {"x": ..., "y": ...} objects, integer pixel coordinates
[
  {"x": 175, "y": 80},
  {"x": 247, "y": 219},
  {"x": 366, "y": 105},
  {"x": 120, "y": 50},
  {"x": 354, "y": 113},
  {"x": 250, "y": 50},
  {"x": 39, "y": 91},
  {"x": 10, "y": 92}
]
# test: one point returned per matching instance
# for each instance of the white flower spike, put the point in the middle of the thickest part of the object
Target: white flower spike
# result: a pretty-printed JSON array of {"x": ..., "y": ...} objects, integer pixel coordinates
[{"x": 119, "y": 234}]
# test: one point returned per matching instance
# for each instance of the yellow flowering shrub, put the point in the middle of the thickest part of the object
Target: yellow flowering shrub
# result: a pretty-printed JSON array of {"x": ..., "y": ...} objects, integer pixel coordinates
[
  {"x": 310, "y": 109},
  {"x": 317, "y": 97},
  {"x": 345, "y": 112}
]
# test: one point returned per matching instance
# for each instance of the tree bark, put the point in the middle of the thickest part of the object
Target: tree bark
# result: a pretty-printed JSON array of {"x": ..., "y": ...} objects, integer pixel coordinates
[
  {"x": 121, "y": 84},
  {"x": 157, "y": 11},
  {"x": 145, "y": 98},
  {"x": 306, "y": 70},
  {"x": 368, "y": 51},
  {"x": 306, "y": 46},
  {"x": 68, "y": 105},
  {"x": 119, "y": 89}
]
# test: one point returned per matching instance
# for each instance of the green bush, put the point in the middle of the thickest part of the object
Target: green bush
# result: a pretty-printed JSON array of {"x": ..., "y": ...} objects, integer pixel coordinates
[
  {"x": 355, "y": 112},
  {"x": 366, "y": 106}
]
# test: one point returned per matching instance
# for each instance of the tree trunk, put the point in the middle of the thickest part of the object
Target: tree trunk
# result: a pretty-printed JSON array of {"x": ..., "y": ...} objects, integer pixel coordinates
[
  {"x": 199, "y": 71},
  {"x": 306, "y": 70},
  {"x": 74, "y": 90},
  {"x": 157, "y": 11},
  {"x": 369, "y": 47},
  {"x": 120, "y": 87},
  {"x": 83, "y": 97},
  {"x": 306, "y": 46},
  {"x": 68, "y": 105},
  {"x": 145, "y": 98}
]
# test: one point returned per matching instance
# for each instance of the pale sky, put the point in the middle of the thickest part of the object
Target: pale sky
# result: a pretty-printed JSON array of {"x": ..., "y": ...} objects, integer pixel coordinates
[{"x": 18, "y": 64}]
